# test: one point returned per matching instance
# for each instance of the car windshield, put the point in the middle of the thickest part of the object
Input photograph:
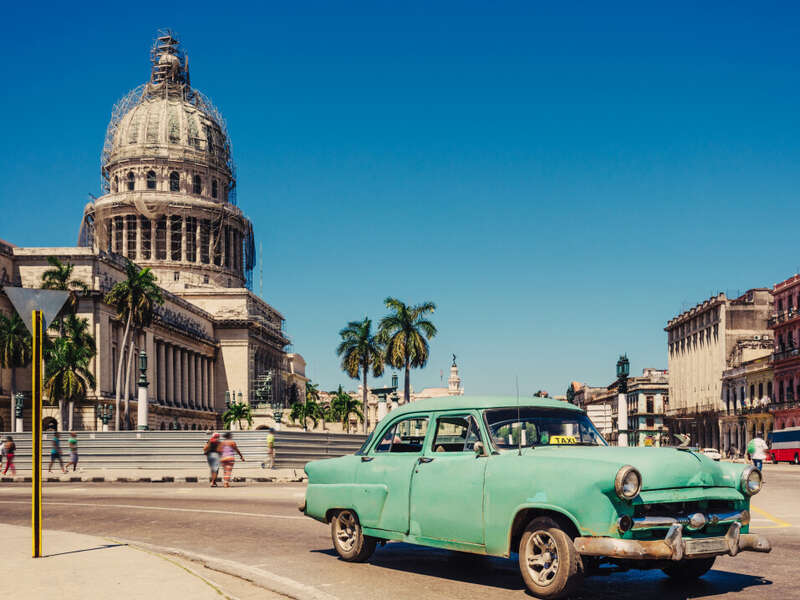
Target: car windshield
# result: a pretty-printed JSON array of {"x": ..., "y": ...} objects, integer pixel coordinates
[{"x": 529, "y": 427}]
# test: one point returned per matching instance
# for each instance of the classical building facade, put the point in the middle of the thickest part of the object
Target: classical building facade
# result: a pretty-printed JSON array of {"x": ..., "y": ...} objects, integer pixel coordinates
[
  {"x": 648, "y": 400},
  {"x": 700, "y": 341},
  {"x": 169, "y": 203},
  {"x": 747, "y": 390}
]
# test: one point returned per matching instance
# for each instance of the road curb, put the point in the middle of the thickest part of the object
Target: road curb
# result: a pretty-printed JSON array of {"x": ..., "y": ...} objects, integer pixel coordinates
[
  {"x": 163, "y": 479},
  {"x": 265, "y": 579}
]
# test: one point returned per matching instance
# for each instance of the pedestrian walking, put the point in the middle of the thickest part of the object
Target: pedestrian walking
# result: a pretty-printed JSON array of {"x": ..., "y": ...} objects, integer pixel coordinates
[
  {"x": 55, "y": 454},
  {"x": 228, "y": 450},
  {"x": 211, "y": 451},
  {"x": 10, "y": 447},
  {"x": 73, "y": 451},
  {"x": 757, "y": 450},
  {"x": 271, "y": 449}
]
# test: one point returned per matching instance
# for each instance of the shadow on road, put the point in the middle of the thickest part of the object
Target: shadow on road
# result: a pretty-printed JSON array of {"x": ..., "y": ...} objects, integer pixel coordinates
[{"x": 503, "y": 574}]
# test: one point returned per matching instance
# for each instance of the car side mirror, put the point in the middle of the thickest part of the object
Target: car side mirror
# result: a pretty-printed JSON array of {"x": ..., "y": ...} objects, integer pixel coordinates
[{"x": 479, "y": 449}]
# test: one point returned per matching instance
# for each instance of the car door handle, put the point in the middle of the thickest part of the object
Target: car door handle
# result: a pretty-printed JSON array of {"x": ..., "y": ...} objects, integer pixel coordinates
[
  {"x": 366, "y": 458},
  {"x": 425, "y": 459}
]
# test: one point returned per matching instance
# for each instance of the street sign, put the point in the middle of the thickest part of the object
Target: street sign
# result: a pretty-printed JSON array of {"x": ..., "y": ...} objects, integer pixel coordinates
[
  {"x": 36, "y": 308},
  {"x": 26, "y": 300}
]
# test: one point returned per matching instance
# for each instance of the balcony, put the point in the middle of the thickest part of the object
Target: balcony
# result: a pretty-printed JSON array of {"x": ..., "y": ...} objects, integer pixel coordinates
[
  {"x": 783, "y": 317},
  {"x": 785, "y": 354}
]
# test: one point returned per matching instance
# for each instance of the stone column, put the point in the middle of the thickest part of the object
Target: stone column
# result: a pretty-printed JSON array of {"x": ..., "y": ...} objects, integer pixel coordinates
[
  {"x": 184, "y": 379},
  {"x": 198, "y": 398},
  {"x": 191, "y": 376},
  {"x": 204, "y": 364},
  {"x": 124, "y": 235},
  {"x": 169, "y": 375},
  {"x": 178, "y": 377},
  {"x": 183, "y": 239},
  {"x": 212, "y": 387},
  {"x": 162, "y": 380}
]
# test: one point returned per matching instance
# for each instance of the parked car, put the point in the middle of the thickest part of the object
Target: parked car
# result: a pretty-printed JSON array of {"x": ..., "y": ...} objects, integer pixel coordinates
[
  {"x": 711, "y": 453},
  {"x": 533, "y": 477}
]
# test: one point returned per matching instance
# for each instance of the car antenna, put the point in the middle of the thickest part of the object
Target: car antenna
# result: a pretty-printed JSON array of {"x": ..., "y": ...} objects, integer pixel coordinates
[{"x": 519, "y": 419}]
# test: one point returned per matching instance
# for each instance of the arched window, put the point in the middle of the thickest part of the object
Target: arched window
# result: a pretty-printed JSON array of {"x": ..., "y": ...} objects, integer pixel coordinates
[
  {"x": 171, "y": 426},
  {"x": 131, "y": 181},
  {"x": 115, "y": 187},
  {"x": 213, "y": 188},
  {"x": 174, "y": 182},
  {"x": 197, "y": 184},
  {"x": 163, "y": 426},
  {"x": 194, "y": 427},
  {"x": 151, "y": 180},
  {"x": 186, "y": 427}
]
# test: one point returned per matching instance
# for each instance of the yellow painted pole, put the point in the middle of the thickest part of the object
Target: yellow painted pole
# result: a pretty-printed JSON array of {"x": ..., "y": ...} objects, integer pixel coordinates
[{"x": 36, "y": 433}]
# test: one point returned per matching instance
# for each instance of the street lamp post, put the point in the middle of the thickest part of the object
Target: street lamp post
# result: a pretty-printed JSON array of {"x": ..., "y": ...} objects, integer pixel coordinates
[
  {"x": 18, "y": 411},
  {"x": 142, "y": 406},
  {"x": 277, "y": 414},
  {"x": 106, "y": 413},
  {"x": 623, "y": 370}
]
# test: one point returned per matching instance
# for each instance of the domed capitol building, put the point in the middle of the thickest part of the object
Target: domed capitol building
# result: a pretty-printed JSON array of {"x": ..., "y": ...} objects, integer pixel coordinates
[{"x": 169, "y": 203}]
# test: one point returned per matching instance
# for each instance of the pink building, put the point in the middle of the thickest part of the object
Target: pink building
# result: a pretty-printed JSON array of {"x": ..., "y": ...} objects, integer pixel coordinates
[{"x": 785, "y": 322}]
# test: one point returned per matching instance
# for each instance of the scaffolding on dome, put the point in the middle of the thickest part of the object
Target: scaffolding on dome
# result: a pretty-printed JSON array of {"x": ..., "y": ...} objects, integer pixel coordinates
[{"x": 168, "y": 76}]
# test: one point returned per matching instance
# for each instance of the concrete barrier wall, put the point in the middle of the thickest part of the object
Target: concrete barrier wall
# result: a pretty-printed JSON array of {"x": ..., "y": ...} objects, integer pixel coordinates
[{"x": 184, "y": 449}]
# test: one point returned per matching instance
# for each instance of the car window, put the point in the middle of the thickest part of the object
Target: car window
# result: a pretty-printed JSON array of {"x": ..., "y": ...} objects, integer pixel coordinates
[
  {"x": 407, "y": 435},
  {"x": 456, "y": 434}
]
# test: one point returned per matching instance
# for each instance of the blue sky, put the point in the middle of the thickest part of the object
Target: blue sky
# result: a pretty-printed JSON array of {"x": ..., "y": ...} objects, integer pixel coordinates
[{"x": 560, "y": 179}]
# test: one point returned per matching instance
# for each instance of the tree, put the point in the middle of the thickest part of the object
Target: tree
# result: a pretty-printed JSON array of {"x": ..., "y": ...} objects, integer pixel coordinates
[
  {"x": 344, "y": 405},
  {"x": 361, "y": 351},
  {"x": 135, "y": 299},
  {"x": 236, "y": 413},
  {"x": 305, "y": 411},
  {"x": 15, "y": 348},
  {"x": 59, "y": 277},
  {"x": 68, "y": 378},
  {"x": 405, "y": 333}
]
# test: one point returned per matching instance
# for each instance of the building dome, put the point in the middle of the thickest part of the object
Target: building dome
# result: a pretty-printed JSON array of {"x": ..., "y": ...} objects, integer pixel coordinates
[{"x": 169, "y": 183}]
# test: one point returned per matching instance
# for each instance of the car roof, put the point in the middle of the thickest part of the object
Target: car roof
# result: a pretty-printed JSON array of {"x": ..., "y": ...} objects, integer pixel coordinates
[{"x": 478, "y": 402}]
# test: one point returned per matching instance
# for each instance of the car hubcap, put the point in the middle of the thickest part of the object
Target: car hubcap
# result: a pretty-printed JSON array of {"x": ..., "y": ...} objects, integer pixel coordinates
[
  {"x": 346, "y": 530},
  {"x": 541, "y": 556}
]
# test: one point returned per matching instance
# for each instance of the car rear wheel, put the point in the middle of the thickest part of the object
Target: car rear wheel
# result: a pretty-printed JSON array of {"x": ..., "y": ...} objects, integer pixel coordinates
[
  {"x": 774, "y": 459},
  {"x": 348, "y": 538},
  {"x": 548, "y": 560},
  {"x": 689, "y": 568},
  {"x": 796, "y": 459}
]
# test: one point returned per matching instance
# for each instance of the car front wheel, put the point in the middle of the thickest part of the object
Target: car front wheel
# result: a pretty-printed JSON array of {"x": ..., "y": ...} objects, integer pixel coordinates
[
  {"x": 548, "y": 560},
  {"x": 348, "y": 538},
  {"x": 689, "y": 568}
]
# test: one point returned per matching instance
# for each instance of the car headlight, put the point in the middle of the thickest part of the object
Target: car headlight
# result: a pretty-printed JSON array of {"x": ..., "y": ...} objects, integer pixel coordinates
[
  {"x": 751, "y": 481},
  {"x": 628, "y": 482}
]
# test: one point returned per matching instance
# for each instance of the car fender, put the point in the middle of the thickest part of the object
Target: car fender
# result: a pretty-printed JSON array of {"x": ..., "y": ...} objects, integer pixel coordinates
[
  {"x": 538, "y": 506},
  {"x": 366, "y": 500}
]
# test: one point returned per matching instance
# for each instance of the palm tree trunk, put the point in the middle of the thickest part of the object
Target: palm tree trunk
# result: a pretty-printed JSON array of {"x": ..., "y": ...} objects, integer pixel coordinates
[
  {"x": 127, "y": 383},
  {"x": 407, "y": 391},
  {"x": 71, "y": 408},
  {"x": 364, "y": 401},
  {"x": 12, "y": 401},
  {"x": 119, "y": 371},
  {"x": 62, "y": 415}
]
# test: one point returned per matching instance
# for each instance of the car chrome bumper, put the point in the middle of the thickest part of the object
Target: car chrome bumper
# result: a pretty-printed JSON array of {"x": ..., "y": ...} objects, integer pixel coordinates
[{"x": 674, "y": 546}]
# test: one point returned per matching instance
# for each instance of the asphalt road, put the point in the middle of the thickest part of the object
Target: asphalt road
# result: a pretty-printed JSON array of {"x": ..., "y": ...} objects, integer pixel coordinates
[{"x": 258, "y": 525}]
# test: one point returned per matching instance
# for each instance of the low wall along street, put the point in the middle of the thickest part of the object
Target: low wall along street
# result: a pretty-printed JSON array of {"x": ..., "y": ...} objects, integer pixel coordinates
[{"x": 178, "y": 450}]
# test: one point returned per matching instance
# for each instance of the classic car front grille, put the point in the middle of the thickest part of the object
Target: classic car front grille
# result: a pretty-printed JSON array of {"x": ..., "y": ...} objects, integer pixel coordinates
[{"x": 682, "y": 509}]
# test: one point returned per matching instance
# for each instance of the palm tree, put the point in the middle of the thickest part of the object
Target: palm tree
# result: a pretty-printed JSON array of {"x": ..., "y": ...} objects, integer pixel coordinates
[
  {"x": 304, "y": 411},
  {"x": 15, "y": 348},
  {"x": 344, "y": 405},
  {"x": 237, "y": 411},
  {"x": 76, "y": 330},
  {"x": 360, "y": 352},
  {"x": 405, "y": 333},
  {"x": 67, "y": 374},
  {"x": 59, "y": 277},
  {"x": 135, "y": 298}
]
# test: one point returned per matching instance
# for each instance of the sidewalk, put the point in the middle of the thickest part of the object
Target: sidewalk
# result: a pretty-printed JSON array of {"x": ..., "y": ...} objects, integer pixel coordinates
[
  {"x": 87, "y": 567},
  {"x": 240, "y": 474}
]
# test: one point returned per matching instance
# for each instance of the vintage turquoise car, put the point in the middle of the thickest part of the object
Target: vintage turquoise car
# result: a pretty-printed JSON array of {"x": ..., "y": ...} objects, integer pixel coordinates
[{"x": 499, "y": 476}]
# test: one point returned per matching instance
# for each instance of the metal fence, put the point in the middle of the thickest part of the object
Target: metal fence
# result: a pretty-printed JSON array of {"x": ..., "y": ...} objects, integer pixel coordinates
[{"x": 176, "y": 450}]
